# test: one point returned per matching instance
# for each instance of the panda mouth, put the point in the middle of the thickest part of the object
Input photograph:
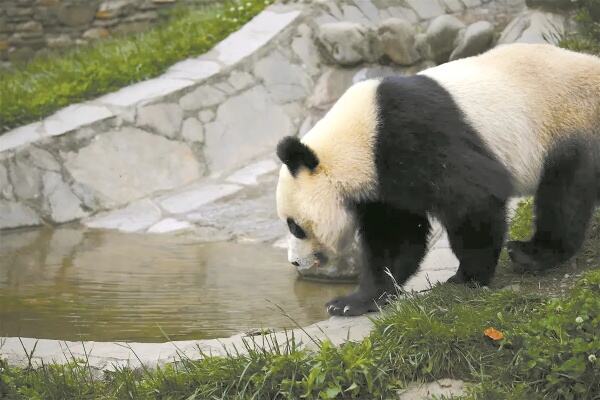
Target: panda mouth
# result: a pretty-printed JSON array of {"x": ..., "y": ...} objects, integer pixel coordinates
[{"x": 320, "y": 259}]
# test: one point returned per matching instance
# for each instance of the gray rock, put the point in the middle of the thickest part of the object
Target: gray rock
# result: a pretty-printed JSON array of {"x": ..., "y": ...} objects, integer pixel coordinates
[
  {"x": 472, "y": 3},
  {"x": 15, "y": 215},
  {"x": 533, "y": 26},
  {"x": 164, "y": 119},
  {"x": 345, "y": 43},
  {"x": 203, "y": 96},
  {"x": 422, "y": 46},
  {"x": 246, "y": 125},
  {"x": 240, "y": 80},
  {"x": 442, "y": 388},
  {"x": 64, "y": 205},
  {"x": 113, "y": 8},
  {"x": 96, "y": 33},
  {"x": 29, "y": 26},
  {"x": 426, "y": 9},
  {"x": 454, "y": 6},
  {"x": 353, "y": 14},
  {"x": 6, "y": 190},
  {"x": 43, "y": 159},
  {"x": 477, "y": 38},
  {"x": 368, "y": 9},
  {"x": 397, "y": 38},
  {"x": 206, "y": 115},
  {"x": 304, "y": 47},
  {"x": 59, "y": 41},
  {"x": 225, "y": 87},
  {"x": 77, "y": 14},
  {"x": 192, "y": 130},
  {"x": 330, "y": 86},
  {"x": 441, "y": 36},
  {"x": 26, "y": 179},
  {"x": 284, "y": 81},
  {"x": 127, "y": 164}
]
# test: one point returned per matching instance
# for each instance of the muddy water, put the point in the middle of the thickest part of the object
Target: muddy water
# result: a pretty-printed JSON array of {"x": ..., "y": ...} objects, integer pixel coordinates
[{"x": 73, "y": 284}]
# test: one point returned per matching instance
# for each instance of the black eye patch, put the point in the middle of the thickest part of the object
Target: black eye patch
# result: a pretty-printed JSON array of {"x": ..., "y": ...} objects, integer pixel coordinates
[{"x": 295, "y": 229}]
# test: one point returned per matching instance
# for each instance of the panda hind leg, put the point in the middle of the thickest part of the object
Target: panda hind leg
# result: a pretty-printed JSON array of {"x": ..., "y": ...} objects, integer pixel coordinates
[
  {"x": 476, "y": 240},
  {"x": 564, "y": 203}
]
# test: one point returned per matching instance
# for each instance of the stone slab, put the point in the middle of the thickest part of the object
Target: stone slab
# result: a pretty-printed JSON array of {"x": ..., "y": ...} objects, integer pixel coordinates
[
  {"x": 254, "y": 35},
  {"x": 133, "y": 218},
  {"x": 21, "y": 136},
  {"x": 169, "y": 225},
  {"x": 249, "y": 175},
  {"x": 64, "y": 205},
  {"x": 14, "y": 215},
  {"x": 128, "y": 164},
  {"x": 196, "y": 196},
  {"x": 74, "y": 116},
  {"x": 193, "y": 69},
  {"x": 144, "y": 91},
  {"x": 111, "y": 355},
  {"x": 250, "y": 123}
]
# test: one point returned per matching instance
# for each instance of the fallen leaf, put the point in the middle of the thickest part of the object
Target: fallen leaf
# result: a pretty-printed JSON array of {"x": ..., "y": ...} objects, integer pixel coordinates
[{"x": 493, "y": 334}]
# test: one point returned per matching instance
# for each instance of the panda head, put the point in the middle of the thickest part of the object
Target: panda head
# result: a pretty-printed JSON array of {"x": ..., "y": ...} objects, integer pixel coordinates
[
  {"x": 310, "y": 204},
  {"x": 324, "y": 174}
]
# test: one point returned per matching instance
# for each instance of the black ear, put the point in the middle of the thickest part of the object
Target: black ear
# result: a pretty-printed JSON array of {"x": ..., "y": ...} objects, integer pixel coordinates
[{"x": 295, "y": 154}]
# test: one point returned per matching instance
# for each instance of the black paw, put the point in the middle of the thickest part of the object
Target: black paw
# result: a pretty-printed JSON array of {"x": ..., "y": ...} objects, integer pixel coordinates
[
  {"x": 352, "y": 305},
  {"x": 524, "y": 256},
  {"x": 460, "y": 279}
]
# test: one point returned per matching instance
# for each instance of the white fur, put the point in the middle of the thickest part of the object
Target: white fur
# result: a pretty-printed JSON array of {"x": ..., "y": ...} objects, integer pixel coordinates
[
  {"x": 496, "y": 107},
  {"x": 343, "y": 142},
  {"x": 522, "y": 98}
]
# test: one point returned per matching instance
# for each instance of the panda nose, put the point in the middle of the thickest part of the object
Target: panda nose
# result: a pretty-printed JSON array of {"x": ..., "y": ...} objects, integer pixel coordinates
[{"x": 295, "y": 263}]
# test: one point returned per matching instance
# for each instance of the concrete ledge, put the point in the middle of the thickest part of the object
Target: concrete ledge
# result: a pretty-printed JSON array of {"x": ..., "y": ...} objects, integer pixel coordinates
[{"x": 111, "y": 355}]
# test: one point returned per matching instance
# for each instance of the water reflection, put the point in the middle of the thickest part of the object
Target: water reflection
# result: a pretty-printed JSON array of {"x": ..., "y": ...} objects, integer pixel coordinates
[{"x": 74, "y": 284}]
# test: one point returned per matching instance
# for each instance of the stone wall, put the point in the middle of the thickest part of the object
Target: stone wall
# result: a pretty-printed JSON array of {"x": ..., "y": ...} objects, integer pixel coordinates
[
  {"x": 209, "y": 115},
  {"x": 29, "y": 27}
]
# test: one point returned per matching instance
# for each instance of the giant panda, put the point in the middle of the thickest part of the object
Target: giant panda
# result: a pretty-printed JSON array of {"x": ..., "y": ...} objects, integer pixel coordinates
[{"x": 455, "y": 142}]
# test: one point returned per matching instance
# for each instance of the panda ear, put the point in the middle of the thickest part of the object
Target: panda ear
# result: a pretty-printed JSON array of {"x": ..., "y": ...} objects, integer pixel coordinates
[{"x": 295, "y": 154}]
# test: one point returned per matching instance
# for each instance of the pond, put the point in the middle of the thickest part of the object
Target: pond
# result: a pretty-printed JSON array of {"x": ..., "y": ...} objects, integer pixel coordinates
[{"x": 74, "y": 284}]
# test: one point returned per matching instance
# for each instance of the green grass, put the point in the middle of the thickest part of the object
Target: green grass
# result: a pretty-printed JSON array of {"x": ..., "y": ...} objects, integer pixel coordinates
[
  {"x": 35, "y": 90},
  {"x": 587, "y": 39},
  {"x": 550, "y": 350}
]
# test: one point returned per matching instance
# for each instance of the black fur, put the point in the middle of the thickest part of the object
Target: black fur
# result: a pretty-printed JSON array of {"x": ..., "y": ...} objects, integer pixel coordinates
[
  {"x": 428, "y": 160},
  {"x": 295, "y": 154},
  {"x": 564, "y": 203},
  {"x": 393, "y": 240}
]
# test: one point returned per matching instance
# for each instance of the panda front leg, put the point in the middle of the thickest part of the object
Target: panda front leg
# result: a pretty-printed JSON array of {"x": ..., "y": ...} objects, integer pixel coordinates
[
  {"x": 393, "y": 240},
  {"x": 476, "y": 240}
]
